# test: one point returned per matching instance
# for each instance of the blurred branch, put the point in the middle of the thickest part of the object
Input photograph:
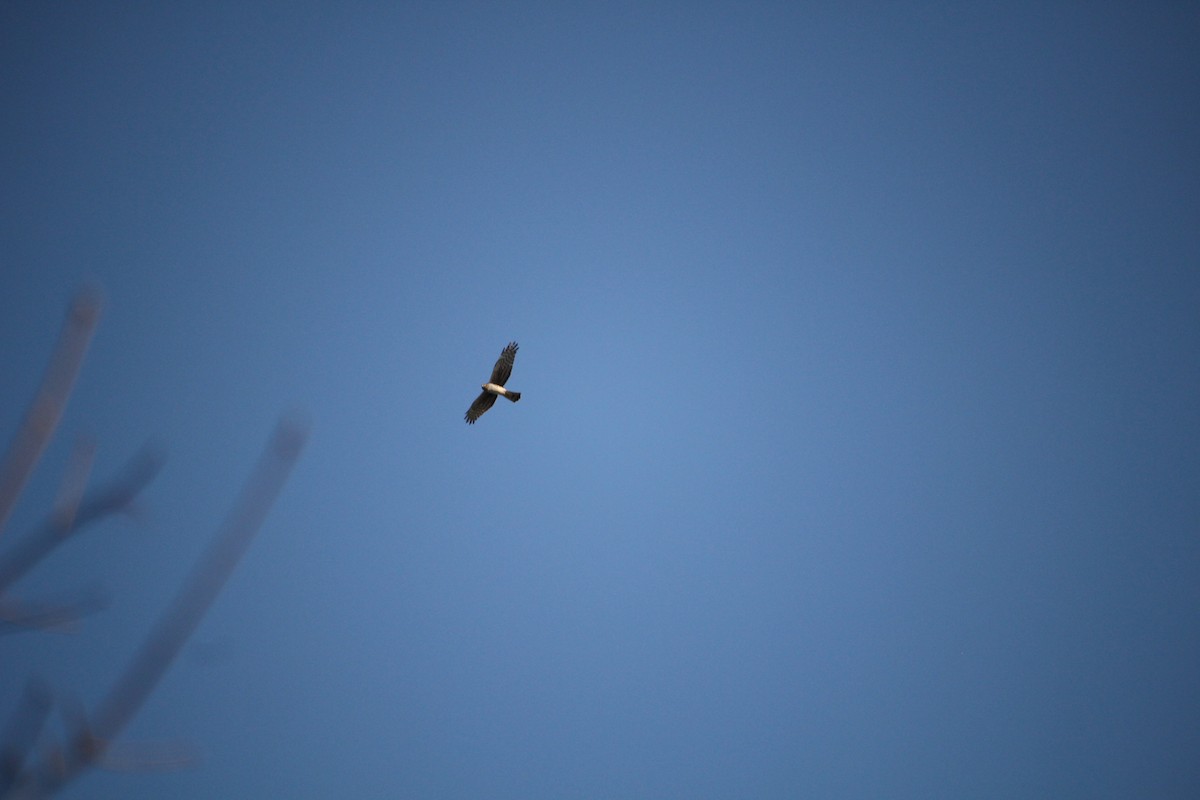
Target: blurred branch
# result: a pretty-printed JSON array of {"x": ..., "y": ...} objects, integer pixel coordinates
[
  {"x": 43, "y": 415},
  {"x": 111, "y": 499},
  {"x": 16, "y": 617},
  {"x": 148, "y": 756},
  {"x": 90, "y": 742},
  {"x": 23, "y": 730},
  {"x": 74, "y": 484}
]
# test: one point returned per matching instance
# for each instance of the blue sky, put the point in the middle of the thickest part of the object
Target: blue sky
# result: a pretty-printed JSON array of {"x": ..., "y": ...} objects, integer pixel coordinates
[{"x": 859, "y": 446}]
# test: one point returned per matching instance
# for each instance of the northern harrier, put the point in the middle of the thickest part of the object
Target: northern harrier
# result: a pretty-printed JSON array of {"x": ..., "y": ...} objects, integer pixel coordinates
[{"x": 495, "y": 386}]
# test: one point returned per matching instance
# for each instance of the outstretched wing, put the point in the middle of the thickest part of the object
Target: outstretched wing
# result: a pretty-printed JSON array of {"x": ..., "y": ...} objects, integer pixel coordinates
[
  {"x": 504, "y": 366},
  {"x": 481, "y": 404}
]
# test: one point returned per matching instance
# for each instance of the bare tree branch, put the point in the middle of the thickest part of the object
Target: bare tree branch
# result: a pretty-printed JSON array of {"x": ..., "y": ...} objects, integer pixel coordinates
[
  {"x": 23, "y": 730},
  {"x": 74, "y": 483},
  {"x": 43, "y": 415},
  {"x": 60, "y": 617},
  {"x": 89, "y": 744},
  {"x": 111, "y": 499}
]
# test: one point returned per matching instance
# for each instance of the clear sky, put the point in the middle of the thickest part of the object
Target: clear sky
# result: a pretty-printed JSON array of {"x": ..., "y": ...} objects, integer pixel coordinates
[{"x": 859, "y": 447}]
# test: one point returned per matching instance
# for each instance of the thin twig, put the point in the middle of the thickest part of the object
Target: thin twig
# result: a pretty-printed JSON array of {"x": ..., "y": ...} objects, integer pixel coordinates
[
  {"x": 74, "y": 482},
  {"x": 61, "y": 617},
  {"x": 44, "y": 413},
  {"x": 23, "y": 730},
  {"x": 113, "y": 498}
]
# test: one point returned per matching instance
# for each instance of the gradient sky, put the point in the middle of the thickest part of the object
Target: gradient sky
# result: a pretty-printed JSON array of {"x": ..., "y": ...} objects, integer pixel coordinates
[{"x": 859, "y": 452}]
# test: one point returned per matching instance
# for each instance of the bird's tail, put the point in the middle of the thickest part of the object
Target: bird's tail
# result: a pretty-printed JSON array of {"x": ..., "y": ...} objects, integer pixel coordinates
[{"x": 514, "y": 396}]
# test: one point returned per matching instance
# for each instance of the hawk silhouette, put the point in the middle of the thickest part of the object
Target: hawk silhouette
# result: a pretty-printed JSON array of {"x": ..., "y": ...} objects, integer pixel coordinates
[{"x": 495, "y": 386}]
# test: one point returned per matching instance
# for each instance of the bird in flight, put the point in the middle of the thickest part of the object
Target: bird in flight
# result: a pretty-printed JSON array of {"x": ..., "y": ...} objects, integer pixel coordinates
[{"x": 495, "y": 386}]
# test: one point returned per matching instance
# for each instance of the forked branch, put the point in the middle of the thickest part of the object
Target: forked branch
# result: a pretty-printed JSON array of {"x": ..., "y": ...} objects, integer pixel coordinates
[{"x": 88, "y": 744}]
